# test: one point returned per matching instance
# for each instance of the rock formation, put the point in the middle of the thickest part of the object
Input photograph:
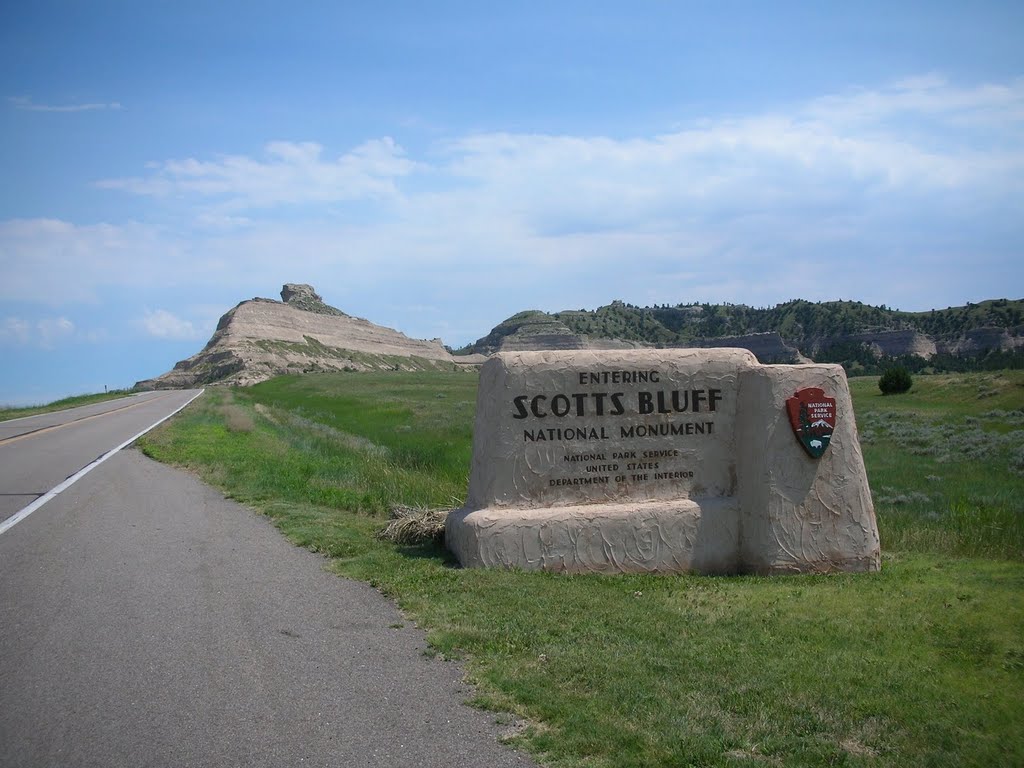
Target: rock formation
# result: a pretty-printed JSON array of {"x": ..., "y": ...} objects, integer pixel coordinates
[
  {"x": 794, "y": 332},
  {"x": 536, "y": 330},
  {"x": 768, "y": 347},
  {"x": 981, "y": 339},
  {"x": 302, "y": 296},
  {"x": 262, "y": 338}
]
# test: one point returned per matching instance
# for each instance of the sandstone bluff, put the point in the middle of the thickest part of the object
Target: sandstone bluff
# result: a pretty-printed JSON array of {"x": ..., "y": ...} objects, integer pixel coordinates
[
  {"x": 262, "y": 338},
  {"x": 847, "y": 332}
]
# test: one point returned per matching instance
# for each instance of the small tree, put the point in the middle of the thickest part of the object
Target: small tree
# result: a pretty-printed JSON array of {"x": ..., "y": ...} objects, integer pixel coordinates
[{"x": 895, "y": 381}]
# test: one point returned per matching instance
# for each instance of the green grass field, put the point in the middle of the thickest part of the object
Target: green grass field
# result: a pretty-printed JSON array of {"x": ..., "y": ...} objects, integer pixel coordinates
[
  {"x": 946, "y": 463},
  {"x": 920, "y": 665}
]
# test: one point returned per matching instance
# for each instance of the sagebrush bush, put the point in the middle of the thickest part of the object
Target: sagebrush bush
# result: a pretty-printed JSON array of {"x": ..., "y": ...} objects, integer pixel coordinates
[{"x": 895, "y": 381}]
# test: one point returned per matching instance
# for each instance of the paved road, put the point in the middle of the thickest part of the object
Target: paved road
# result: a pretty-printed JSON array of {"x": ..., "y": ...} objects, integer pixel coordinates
[
  {"x": 39, "y": 452},
  {"x": 146, "y": 621}
]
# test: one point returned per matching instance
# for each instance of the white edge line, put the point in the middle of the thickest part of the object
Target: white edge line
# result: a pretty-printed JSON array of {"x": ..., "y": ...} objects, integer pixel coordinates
[{"x": 24, "y": 512}]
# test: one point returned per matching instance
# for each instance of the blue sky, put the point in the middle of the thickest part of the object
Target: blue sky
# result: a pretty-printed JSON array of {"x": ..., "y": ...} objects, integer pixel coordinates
[{"x": 437, "y": 167}]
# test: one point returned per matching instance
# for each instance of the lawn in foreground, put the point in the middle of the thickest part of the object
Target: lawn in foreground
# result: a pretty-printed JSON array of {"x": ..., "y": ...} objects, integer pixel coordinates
[{"x": 921, "y": 664}]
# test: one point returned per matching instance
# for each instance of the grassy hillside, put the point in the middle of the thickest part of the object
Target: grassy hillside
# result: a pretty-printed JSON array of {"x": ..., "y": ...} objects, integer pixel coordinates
[
  {"x": 946, "y": 462},
  {"x": 796, "y": 320},
  {"x": 802, "y": 324},
  {"x": 920, "y": 665}
]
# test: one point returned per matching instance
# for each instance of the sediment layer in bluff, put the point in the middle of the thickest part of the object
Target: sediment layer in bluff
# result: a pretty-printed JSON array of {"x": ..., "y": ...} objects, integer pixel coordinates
[
  {"x": 838, "y": 331},
  {"x": 262, "y": 338},
  {"x": 534, "y": 330}
]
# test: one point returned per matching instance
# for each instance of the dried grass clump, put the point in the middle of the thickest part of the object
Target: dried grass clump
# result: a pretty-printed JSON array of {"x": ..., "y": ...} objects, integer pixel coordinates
[
  {"x": 415, "y": 525},
  {"x": 237, "y": 419}
]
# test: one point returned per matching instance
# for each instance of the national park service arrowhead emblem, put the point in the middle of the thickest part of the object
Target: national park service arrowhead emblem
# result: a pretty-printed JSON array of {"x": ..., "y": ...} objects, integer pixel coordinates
[{"x": 813, "y": 417}]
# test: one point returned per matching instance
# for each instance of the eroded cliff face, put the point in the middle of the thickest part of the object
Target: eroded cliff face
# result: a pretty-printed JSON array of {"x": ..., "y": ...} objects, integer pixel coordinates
[
  {"x": 982, "y": 339},
  {"x": 535, "y": 330},
  {"x": 909, "y": 342},
  {"x": 799, "y": 342},
  {"x": 767, "y": 347},
  {"x": 528, "y": 330},
  {"x": 262, "y": 338},
  {"x": 881, "y": 343}
]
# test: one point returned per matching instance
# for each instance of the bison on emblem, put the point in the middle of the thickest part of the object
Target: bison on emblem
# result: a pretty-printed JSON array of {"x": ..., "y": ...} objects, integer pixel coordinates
[{"x": 813, "y": 418}]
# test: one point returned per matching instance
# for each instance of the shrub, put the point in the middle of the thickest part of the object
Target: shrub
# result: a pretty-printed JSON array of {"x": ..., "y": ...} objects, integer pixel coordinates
[{"x": 895, "y": 381}]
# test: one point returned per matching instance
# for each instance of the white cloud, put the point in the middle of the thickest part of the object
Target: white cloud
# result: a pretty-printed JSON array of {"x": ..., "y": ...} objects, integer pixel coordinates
[
  {"x": 290, "y": 174},
  {"x": 930, "y": 95},
  {"x": 53, "y": 262},
  {"x": 758, "y": 162},
  {"x": 915, "y": 181},
  {"x": 15, "y": 329},
  {"x": 54, "y": 329},
  {"x": 46, "y": 332},
  {"x": 850, "y": 145},
  {"x": 166, "y": 325},
  {"x": 26, "y": 104}
]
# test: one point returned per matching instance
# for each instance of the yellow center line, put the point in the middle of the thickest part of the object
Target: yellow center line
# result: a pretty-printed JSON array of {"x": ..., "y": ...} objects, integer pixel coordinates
[{"x": 51, "y": 428}]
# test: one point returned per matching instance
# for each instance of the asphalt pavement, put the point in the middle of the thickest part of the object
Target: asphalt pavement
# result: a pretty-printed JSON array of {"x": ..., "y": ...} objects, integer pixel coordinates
[
  {"x": 147, "y": 621},
  {"x": 39, "y": 452}
]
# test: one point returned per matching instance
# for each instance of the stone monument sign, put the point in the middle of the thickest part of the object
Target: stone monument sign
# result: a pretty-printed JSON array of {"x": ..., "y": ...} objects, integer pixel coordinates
[{"x": 697, "y": 460}]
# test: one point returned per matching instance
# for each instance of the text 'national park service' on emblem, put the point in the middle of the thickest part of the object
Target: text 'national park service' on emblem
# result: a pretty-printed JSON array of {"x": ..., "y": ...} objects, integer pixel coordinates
[{"x": 813, "y": 417}]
